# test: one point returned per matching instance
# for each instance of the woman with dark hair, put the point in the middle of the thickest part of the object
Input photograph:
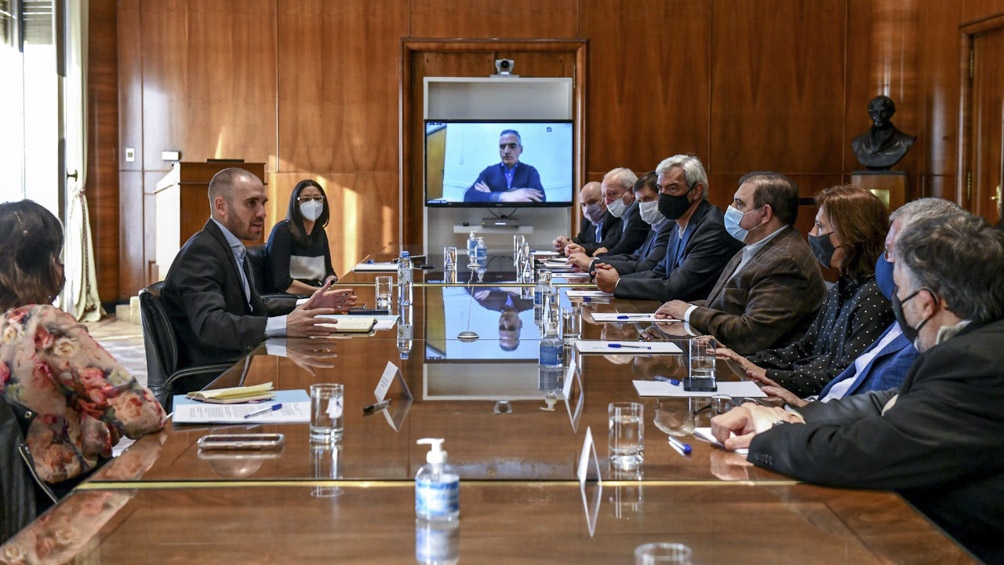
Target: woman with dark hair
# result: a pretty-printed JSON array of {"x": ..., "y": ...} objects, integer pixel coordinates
[
  {"x": 848, "y": 235},
  {"x": 80, "y": 400},
  {"x": 299, "y": 259}
]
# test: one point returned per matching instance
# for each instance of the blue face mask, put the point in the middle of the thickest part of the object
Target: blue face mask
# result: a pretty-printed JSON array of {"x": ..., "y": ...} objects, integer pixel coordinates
[
  {"x": 883, "y": 276},
  {"x": 732, "y": 219}
]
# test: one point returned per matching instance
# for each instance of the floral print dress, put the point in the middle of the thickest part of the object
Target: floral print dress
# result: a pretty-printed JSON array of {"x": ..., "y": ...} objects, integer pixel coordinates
[{"x": 83, "y": 399}]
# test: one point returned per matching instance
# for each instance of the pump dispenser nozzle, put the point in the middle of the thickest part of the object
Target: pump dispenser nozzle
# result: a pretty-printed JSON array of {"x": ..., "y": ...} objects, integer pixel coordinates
[{"x": 436, "y": 455}]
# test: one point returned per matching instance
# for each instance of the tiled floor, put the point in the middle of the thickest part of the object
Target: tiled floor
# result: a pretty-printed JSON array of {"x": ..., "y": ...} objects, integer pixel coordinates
[{"x": 124, "y": 340}]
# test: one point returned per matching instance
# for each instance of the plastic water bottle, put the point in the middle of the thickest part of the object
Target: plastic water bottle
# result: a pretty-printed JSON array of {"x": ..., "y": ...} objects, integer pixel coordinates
[
  {"x": 551, "y": 348},
  {"x": 405, "y": 332},
  {"x": 540, "y": 296},
  {"x": 437, "y": 486},
  {"x": 472, "y": 248},
  {"x": 481, "y": 252},
  {"x": 404, "y": 279}
]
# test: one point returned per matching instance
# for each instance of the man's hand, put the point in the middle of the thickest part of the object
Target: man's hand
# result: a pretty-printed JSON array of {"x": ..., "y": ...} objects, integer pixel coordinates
[
  {"x": 338, "y": 300},
  {"x": 481, "y": 187},
  {"x": 560, "y": 243},
  {"x": 674, "y": 310},
  {"x": 746, "y": 422},
  {"x": 306, "y": 322},
  {"x": 606, "y": 277},
  {"x": 521, "y": 195},
  {"x": 580, "y": 260},
  {"x": 600, "y": 251},
  {"x": 572, "y": 248},
  {"x": 481, "y": 294}
]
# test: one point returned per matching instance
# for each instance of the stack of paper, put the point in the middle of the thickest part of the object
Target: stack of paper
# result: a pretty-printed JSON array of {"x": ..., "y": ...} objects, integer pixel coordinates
[
  {"x": 588, "y": 294},
  {"x": 627, "y": 347},
  {"x": 295, "y": 409},
  {"x": 234, "y": 395},
  {"x": 382, "y": 267},
  {"x": 353, "y": 324},
  {"x": 601, "y": 317}
]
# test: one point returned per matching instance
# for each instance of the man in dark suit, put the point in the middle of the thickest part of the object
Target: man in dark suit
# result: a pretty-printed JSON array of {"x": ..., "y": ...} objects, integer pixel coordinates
[
  {"x": 510, "y": 180},
  {"x": 599, "y": 229},
  {"x": 769, "y": 292},
  {"x": 697, "y": 247},
  {"x": 216, "y": 312},
  {"x": 618, "y": 196},
  {"x": 937, "y": 439}
]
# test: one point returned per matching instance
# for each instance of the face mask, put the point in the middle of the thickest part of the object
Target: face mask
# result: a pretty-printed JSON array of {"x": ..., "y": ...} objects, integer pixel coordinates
[
  {"x": 649, "y": 212},
  {"x": 617, "y": 207},
  {"x": 732, "y": 219},
  {"x": 822, "y": 249},
  {"x": 593, "y": 213},
  {"x": 909, "y": 332},
  {"x": 673, "y": 206},
  {"x": 311, "y": 209},
  {"x": 883, "y": 276}
]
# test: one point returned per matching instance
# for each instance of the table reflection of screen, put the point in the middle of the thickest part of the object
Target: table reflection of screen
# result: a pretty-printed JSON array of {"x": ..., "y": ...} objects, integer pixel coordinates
[{"x": 500, "y": 315}]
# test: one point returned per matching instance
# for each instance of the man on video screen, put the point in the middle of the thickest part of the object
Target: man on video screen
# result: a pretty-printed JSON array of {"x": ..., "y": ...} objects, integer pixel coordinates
[{"x": 510, "y": 180}]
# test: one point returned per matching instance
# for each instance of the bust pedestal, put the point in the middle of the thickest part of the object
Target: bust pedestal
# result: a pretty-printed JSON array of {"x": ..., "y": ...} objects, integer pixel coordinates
[{"x": 889, "y": 186}]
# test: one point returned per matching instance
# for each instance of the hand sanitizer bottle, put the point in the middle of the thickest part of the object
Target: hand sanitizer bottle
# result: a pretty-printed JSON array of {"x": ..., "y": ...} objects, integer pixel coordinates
[{"x": 437, "y": 486}]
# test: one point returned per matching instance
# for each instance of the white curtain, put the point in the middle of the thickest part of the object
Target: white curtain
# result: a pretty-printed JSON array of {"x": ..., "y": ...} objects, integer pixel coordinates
[{"x": 80, "y": 295}]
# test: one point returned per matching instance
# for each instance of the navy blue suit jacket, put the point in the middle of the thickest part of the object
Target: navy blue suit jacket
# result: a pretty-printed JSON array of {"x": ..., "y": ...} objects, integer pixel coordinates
[
  {"x": 525, "y": 176},
  {"x": 885, "y": 371}
]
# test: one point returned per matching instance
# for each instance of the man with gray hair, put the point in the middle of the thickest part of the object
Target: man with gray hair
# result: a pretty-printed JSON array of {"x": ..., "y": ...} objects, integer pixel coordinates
[
  {"x": 216, "y": 312},
  {"x": 698, "y": 247},
  {"x": 618, "y": 194},
  {"x": 937, "y": 439}
]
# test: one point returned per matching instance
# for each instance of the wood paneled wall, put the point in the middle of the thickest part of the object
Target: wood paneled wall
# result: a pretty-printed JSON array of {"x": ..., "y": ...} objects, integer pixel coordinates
[{"x": 314, "y": 89}]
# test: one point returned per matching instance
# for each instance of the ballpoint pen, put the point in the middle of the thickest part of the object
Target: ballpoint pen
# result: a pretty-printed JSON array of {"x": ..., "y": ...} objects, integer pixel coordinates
[
  {"x": 376, "y": 406},
  {"x": 271, "y": 408},
  {"x": 673, "y": 382},
  {"x": 679, "y": 446},
  {"x": 634, "y": 316},
  {"x": 627, "y": 346}
]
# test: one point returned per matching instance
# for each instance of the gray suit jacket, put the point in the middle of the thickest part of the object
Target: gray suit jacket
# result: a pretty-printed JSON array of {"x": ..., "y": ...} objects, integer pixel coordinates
[{"x": 770, "y": 303}]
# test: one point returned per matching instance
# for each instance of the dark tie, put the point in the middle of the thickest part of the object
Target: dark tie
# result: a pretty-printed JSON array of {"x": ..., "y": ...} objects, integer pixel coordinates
[{"x": 248, "y": 278}]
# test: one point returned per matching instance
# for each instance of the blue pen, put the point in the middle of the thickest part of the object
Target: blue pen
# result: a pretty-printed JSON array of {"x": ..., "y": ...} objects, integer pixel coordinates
[
  {"x": 681, "y": 448},
  {"x": 271, "y": 408},
  {"x": 673, "y": 382},
  {"x": 627, "y": 346},
  {"x": 633, "y": 316}
]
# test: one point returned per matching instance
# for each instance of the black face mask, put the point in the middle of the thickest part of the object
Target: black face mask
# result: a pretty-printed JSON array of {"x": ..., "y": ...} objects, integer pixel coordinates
[
  {"x": 673, "y": 206},
  {"x": 897, "y": 309},
  {"x": 822, "y": 249}
]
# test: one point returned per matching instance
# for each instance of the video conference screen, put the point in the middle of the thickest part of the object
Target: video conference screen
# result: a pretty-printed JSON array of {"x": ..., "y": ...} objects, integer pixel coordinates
[{"x": 499, "y": 163}]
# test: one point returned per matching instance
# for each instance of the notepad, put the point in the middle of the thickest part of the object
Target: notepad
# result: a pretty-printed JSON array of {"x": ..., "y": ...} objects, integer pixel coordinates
[
  {"x": 234, "y": 395},
  {"x": 354, "y": 324},
  {"x": 381, "y": 267},
  {"x": 295, "y": 409}
]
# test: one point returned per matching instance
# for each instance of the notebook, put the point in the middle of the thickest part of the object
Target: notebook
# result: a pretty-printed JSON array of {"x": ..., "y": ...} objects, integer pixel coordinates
[{"x": 234, "y": 395}]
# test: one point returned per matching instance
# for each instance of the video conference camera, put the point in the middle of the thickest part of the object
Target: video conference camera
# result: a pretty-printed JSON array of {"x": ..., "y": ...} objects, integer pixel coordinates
[{"x": 504, "y": 66}]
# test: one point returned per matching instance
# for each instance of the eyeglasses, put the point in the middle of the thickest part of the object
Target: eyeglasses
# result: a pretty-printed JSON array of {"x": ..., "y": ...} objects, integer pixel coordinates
[{"x": 303, "y": 199}]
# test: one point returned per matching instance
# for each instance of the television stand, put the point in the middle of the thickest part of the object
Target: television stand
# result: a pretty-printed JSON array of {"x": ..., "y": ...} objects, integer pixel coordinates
[{"x": 511, "y": 230}]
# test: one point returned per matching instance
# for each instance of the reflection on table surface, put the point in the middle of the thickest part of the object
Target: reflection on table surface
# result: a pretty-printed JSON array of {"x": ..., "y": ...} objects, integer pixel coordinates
[{"x": 507, "y": 522}]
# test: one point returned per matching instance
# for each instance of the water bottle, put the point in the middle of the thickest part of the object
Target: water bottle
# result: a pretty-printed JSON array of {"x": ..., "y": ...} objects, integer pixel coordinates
[
  {"x": 481, "y": 252},
  {"x": 405, "y": 333},
  {"x": 540, "y": 293},
  {"x": 404, "y": 279},
  {"x": 551, "y": 348},
  {"x": 472, "y": 248}
]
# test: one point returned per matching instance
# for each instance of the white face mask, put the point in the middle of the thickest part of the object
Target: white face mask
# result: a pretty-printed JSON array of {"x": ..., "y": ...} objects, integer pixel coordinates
[
  {"x": 593, "y": 213},
  {"x": 650, "y": 212},
  {"x": 617, "y": 207},
  {"x": 312, "y": 209}
]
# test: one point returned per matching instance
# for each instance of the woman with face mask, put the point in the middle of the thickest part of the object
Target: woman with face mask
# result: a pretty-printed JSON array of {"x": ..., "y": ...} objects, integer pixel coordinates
[
  {"x": 73, "y": 401},
  {"x": 848, "y": 236},
  {"x": 298, "y": 254}
]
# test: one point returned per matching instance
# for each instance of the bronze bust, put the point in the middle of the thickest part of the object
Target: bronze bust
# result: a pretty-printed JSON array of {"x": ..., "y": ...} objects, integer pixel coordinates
[{"x": 883, "y": 145}]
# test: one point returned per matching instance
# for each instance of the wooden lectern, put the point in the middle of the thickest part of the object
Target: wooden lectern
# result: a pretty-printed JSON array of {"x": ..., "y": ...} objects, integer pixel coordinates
[{"x": 181, "y": 207}]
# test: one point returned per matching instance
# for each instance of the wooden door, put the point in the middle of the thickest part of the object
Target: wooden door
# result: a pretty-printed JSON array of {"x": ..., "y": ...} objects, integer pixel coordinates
[{"x": 985, "y": 155}]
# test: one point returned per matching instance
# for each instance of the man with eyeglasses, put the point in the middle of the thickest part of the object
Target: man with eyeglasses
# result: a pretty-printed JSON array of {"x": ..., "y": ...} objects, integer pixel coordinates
[
  {"x": 769, "y": 292},
  {"x": 509, "y": 180}
]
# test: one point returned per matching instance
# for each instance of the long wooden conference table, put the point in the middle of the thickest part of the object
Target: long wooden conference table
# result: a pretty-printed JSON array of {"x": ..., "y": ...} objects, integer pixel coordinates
[{"x": 514, "y": 434}]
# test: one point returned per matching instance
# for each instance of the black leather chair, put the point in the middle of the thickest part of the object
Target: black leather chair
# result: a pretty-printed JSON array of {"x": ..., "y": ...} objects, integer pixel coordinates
[{"x": 163, "y": 376}]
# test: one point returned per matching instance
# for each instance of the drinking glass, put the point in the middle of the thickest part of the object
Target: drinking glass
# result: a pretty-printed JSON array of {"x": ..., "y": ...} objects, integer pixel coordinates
[
  {"x": 571, "y": 324},
  {"x": 384, "y": 291},
  {"x": 326, "y": 412},
  {"x": 659, "y": 552},
  {"x": 702, "y": 365},
  {"x": 627, "y": 434}
]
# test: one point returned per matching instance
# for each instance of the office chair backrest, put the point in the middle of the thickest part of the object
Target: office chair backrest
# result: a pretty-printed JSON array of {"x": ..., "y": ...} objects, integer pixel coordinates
[
  {"x": 258, "y": 259},
  {"x": 159, "y": 340},
  {"x": 17, "y": 505}
]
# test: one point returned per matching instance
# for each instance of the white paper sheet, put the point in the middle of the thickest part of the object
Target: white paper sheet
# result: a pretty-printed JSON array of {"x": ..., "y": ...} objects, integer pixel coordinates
[
  {"x": 736, "y": 389},
  {"x": 704, "y": 434},
  {"x": 381, "y": 267},
  {"x": 295, "y": 410},
  {"x": 605, "y": 317},
  {"x": 587, "y": 294},
  {"x": 627, "y": 347},
  {"x": 383, "y": 321}
]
